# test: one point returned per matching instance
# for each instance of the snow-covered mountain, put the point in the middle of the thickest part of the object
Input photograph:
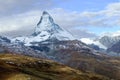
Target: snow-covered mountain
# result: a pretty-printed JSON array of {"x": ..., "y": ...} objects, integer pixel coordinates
[
  {"x": 109, "y": 39},
  {"x": 89, "y": 41},
  {"x": 105, "y": 41},
  {"x": 6, "y": 46},
  {"x": 46, "y": 29}
]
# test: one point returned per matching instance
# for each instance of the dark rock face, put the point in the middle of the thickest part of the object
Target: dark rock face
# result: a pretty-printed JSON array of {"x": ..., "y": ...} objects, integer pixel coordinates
[
  {"x": 48, "y": 46},
  {"x": 4, "y": 39},
  {"x": 108, "y": 41},
  {"x": 94, "y": 46},
  {"x": 115, "y": 48}
]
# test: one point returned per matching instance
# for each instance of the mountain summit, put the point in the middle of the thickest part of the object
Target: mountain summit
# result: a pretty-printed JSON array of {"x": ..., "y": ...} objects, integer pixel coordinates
[
  {"x": 46, "y": 23},
  {"x": 46, "y": 29}
]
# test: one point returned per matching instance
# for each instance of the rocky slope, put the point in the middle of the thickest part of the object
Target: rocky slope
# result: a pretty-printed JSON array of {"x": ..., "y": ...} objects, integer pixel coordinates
[
  {"x": 77, "y": 55},
  {"x": 18, "y": 48},
  {"x": 17, "y": 67},
  {"x": 115, "y": 48}
]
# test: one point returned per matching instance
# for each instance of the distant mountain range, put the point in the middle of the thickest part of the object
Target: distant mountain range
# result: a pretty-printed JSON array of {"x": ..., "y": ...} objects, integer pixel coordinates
[{"x": 106, "y": 42}]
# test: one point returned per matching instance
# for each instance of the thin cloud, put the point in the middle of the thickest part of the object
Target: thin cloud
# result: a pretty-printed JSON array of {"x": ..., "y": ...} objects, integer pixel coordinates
[{"x": 9, "y": 7}]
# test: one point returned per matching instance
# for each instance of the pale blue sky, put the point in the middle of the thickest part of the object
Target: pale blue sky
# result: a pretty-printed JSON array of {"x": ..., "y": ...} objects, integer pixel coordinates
[
  {"x": 84, "y": 5},
  {"x": 89, "y": 5}
]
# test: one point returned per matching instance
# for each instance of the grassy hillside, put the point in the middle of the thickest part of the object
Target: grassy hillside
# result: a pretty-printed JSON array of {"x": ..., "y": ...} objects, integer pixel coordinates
[
  {"x": 17, "y": 67},
  {"x": 86, "y": 62}
]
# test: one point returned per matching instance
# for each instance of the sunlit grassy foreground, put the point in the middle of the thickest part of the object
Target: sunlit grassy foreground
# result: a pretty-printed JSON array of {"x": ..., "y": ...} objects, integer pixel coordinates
[{"x": 17, "y": 67}]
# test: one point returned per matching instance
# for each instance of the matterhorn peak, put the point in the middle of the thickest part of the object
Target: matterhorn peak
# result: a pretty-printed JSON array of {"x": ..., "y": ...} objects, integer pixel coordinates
[
  {"x": 46, "y": 23},
  {"x": 45, "y": 13},
  {"x": 47, "y": 29},
  {"x": 45, "y": 18}
]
